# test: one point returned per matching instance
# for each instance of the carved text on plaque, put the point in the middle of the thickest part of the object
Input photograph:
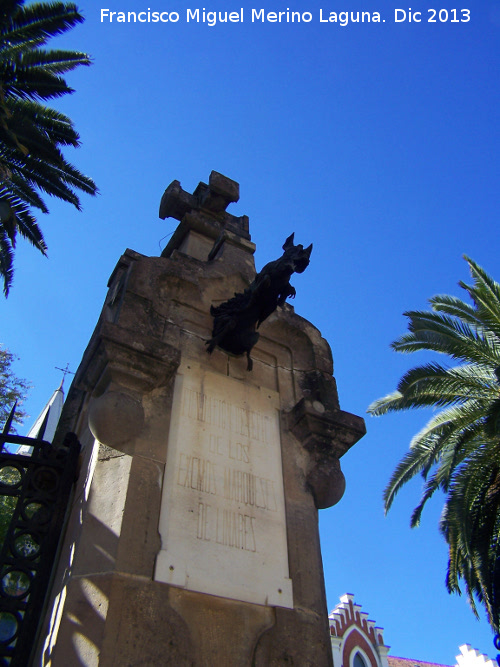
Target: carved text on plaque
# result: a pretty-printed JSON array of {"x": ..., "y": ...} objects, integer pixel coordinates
[{"x": 222, "y": 519}]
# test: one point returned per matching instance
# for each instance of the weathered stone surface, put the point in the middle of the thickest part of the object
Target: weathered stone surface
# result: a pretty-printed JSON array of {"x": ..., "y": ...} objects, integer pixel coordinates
[
  {"x": 83, "y": 626},
  {"x": 224, "y": 632},
  {"x": 326, "y": 435},
  {"x": 215, "y": 197},
  {"x": 143, "y": 629},
  {"x": 139, "y": 539},
  {"x": 115, "y": 418},
  {"x": 107, "y": 609},
  {"x": 102, "y": 524},
  {"x": 297, "y": 640},
  {"x": 327, "y": 482}
]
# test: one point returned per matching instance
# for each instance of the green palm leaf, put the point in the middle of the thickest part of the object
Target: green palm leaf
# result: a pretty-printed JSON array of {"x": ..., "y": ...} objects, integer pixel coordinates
[
  {"x": 32, "y": 135},
  {"x": 458, "y": 450},
  {"x": 451, "y": 305},
  {"x": 35, "y": 24}
]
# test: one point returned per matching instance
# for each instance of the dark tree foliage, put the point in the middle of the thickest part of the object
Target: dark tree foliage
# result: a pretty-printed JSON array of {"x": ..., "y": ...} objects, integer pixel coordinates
[
  {"x": 12, "y": 388},
  {"x": 7, "y": 503},
  {"x": 31, "y": 133}
]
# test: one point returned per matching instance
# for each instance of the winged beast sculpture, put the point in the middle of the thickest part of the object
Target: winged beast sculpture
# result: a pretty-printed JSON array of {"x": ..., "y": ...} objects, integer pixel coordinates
[{"x": 236, "y": 321}]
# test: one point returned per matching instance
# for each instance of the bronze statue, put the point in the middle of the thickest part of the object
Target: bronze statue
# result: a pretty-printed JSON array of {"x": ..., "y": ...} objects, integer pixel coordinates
[{"x": 236, "y": 320}]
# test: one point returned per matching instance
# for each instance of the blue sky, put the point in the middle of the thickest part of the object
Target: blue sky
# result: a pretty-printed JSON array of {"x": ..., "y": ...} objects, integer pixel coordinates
[{"x": 377, "y": 142}]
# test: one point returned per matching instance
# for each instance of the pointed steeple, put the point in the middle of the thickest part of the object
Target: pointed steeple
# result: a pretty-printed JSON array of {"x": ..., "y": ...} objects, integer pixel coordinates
[{"x": 45, "y": 425}]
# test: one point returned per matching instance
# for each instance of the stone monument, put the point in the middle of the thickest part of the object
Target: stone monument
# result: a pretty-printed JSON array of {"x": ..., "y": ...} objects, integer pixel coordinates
[{"x": 192, "y": 537}]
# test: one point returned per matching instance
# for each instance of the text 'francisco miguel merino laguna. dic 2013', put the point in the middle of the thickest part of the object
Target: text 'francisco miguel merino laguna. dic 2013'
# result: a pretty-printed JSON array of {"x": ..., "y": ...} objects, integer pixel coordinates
[{"x": 211, "y": 18}]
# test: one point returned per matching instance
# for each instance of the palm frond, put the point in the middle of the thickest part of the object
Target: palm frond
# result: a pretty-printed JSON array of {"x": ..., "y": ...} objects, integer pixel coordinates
[
  {"x": 452, "y": 305},
  {"x": 22, "y": 221},
  {"x": 6, "y": 260},
  {"x": 458, "y": 450},
  {"x": 447, "y": 335},
  {"x": 486, "y": 295},
  {"x": 36, "y": 23},
  {"x": 409, "y": 466},
  {"x": 439, "y": 386},
  {"x": 32, "y": 135},
  {"x": 24, "y": 192}
]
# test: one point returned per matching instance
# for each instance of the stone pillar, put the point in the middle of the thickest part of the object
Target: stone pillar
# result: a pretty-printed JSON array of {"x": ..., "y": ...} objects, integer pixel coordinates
[{"x": 193, "y": 536}]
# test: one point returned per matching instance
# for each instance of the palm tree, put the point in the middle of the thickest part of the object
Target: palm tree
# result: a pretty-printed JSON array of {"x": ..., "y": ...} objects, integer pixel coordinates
[
  {"x": 32, "y": 134},
  {"x": 458, "y": 451}
]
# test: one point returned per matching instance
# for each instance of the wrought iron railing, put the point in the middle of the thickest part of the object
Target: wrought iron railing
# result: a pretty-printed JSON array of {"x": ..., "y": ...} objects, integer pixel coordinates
[{"x": 35, "y": 491}]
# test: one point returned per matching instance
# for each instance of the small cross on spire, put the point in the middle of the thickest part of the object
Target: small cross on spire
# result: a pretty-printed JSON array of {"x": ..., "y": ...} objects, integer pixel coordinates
[{"x": 65, "y": 372}]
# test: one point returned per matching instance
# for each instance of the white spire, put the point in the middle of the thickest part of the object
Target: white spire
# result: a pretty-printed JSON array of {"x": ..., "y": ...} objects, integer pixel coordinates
[
  {"x": 50, "y": 413},
  {"x": 54, "y": 408}
]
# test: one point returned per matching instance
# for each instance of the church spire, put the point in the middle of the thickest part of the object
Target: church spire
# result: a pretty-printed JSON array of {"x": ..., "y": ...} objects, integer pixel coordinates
[{"x": 45, "y": 425}]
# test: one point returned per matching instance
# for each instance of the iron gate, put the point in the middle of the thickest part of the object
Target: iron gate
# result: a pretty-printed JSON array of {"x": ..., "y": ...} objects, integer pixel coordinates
[{"x": 35, "y": 490}]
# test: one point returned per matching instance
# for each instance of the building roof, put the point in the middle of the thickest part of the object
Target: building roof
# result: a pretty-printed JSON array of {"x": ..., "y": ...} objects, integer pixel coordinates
[
  {"x": 409, "y": 662},
  {"x": 469, "y": 657},
  {"x": 347, "y": 616}
]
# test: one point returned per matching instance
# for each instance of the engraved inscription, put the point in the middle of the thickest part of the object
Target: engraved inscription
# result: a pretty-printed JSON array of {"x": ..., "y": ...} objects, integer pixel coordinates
[
  {"x": 232, "y": 450},
  {"x": 222, "y": 522},
  {"x": 226, "y": 416},
  {"x": 197, "y": 474},
  {"x": 231, "y": 529},
  {"x": 237, "y": 485},
  {"x": 235, "y": 530},
  {"x": 243, "y": 487},
  {"x": 203, "y": 516},
  {"x": 231, "y": 432}
]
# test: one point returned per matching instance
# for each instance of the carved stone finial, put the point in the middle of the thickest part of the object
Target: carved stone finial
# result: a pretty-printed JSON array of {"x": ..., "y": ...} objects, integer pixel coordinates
[
  {"x": 206, "y": 229},
  {"x": 214, "y": 197},
  {"x": 236, "y": 320}
]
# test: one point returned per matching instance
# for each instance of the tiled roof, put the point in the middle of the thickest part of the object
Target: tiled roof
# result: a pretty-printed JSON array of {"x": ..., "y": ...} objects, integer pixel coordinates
[{"x": 408, "y": 662}]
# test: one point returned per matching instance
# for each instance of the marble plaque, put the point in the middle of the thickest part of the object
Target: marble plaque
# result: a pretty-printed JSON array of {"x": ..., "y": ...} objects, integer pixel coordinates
[{"x": 222, "y": 519}]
